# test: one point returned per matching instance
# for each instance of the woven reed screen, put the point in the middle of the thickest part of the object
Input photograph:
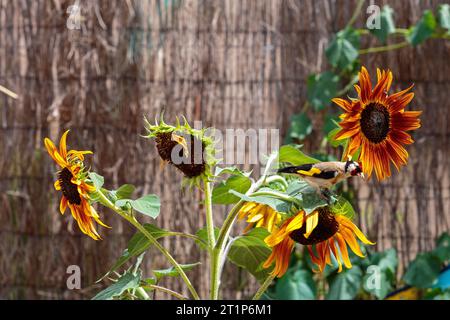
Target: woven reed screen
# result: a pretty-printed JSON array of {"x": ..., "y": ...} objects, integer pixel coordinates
[{"x": 230, "y": 64}]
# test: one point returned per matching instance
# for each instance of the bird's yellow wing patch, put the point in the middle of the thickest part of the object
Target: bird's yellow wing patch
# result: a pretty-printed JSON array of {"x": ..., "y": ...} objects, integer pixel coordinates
[{"x": 310, "y": 172}]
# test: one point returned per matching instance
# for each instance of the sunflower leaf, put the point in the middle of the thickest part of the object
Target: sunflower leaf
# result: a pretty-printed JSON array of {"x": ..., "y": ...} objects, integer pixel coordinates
[
  {"x": 249, "y": 251},
  {"x": 294, "y": 156},
  {"x": 232, "y": 171},
  {"x": 137, "y": 245},
  {"x": 148, "y": 205},
  {"x": 125, "y": 282},
  {"x": 125, "y": 191},
  {"x": 423, "y": 29},
  {"x": 221, "y": 192},
  {"x": 275, "y": 203},
  {"x": 97, "y": 180},
  {"x": 202, "y": 234},
  {"x": 172, "y": 272},
  {"x": 387, "y": 25}
]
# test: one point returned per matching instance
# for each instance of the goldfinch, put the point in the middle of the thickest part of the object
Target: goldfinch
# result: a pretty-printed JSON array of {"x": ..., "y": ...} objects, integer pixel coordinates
[{"x": 323, "y": 175}]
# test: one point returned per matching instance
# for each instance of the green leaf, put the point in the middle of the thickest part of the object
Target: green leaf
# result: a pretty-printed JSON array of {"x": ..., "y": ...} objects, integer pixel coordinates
[
  {"x": 444, "y": 16},
  {"x": 299, "y": 128},
  {"x": 148, "y": 205},
  {"x": 423, "y": 270},
  {"x": 97, "y": 180},
  {"x": 321, "y": 88},
  {"x": 294, "y": 156},
  {"x": 137, "y": 245},
  {"x": 221, "y": 192},
  {"x": 307, "y": 195},
  {"x": 203, "y": 235},
  {"x": 345, "y": 285},
  {"x": 330, "y": 123},
  {"x": 423, "y": 29},
  {"x": 387, "y": 25},
  {"x": 296, "y": 285},
  {"x": 386, "y": 262},
  {"x": 331, "y": 138},
  {"x": 172, "y": 272},
  {"x": 343, "y": 49},
  {"x": 232, "y": 171},
  {"x": 275, "y": 203},
  {"x": 250, "y": 251},
  {"x": 125, "y": 191},
  {"x": 442, "y": 250},
  {"x": 343, "y": 207},
  {"x": 125, "y": 282}
]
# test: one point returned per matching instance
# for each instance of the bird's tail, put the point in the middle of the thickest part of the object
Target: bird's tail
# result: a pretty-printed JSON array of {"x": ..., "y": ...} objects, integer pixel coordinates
[{"x": 288, "y": 170}]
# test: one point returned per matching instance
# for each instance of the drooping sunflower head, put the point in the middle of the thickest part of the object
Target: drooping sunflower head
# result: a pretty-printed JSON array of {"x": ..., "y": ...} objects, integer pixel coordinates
[
  {"x": 72, "y": 181},
  {"x": 259, "y": 215},
  {"x": 377, "y": 122},
  {"x": 189, "y": 150},
  {"x": 324, "y": 232}
]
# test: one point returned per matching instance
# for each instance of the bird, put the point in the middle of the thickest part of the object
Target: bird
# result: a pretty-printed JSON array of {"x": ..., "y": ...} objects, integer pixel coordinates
[{"x": 324, "y": 175}]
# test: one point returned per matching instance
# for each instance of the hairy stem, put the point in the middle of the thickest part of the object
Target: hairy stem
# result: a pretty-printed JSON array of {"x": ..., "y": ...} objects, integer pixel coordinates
[
  {"x": 105, "y": 201},
  {"x": 263, "y": 287},
  {"x": 166, "y": 290}
]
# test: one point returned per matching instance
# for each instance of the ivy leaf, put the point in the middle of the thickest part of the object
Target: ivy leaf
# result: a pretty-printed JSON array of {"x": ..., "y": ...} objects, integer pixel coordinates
[
  {"x": 300, "y": 127},
  {"x": 442, "y": 250},
  {"x": 444, "y": 16},
  {"x": 294, "y": 156},
  {"x": 296, "y": 285},
  {"x": 250, "y": 251},
  {"x": 148, "y": 205},
  {"x": 321, "y": 88},
  {"x": 221, "y": 192},
  {"x": 386, "y": 262},
  {"x": 387, "y": 25},
  {"x": 423, "y": 270},
  {"x": 125, "y": 282},
  {"x": 172, "y": 272},
  {"x": 345, "y": 285},
  {"x": 423, "y": 29},
  {"x": 97, "y": 180},
  {"x": 343, "y": 49}
]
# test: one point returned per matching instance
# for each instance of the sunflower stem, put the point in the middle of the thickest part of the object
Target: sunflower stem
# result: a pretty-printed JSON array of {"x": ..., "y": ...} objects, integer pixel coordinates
[
  {"x": 166, "y": 290},
  {"x": 263, "y": 287},
  {"x": 218, "y": 253},
  {"x": 384, "y": 48},
  {"x": 131, "y": 219},
  {"x": 214, "y": 271}
]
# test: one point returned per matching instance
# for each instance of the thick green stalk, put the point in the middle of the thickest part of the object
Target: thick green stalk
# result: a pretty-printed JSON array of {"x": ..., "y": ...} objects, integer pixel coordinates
[
  {"x": 105, "y": 201},
  {"x": 214, "y": 281},
  {"x": 263, "y": 287}
]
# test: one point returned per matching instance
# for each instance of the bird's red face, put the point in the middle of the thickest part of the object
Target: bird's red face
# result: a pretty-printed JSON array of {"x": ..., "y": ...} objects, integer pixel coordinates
[{"x": 356, "y": 170}]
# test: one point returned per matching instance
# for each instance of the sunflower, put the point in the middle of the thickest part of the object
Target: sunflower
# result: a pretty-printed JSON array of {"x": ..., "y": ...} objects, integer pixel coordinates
[
  {"x": 259, "y": 215},
  {"x": 322, "y": 231},
  {"x": 189, "y": 150},
  {"x": 378, "y": 123},
  {"x": 72, "y": 183}
]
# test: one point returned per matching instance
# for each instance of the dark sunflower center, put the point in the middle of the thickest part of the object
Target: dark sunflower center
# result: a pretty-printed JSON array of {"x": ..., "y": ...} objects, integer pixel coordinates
[
  {"x": 375, "y": 122},
  {"x": 68, "y": 188},
  {"x": 191, "y": 166},
  {"x": 326, "y": 227}
]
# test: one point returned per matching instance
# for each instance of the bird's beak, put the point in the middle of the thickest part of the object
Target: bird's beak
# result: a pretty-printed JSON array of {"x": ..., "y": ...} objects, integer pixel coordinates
[{"x": 362, "y": 176}]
